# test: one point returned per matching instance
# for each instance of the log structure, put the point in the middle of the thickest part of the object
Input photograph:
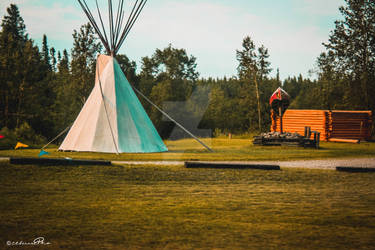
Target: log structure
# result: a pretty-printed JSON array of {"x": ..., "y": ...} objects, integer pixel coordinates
[
  {"x": 350, "y": 124},
  {"x": 332, "y": 124}
]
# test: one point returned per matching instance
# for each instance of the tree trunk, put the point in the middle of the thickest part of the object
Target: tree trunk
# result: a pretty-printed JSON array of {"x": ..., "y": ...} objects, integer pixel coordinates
[
  {"x": 281, "y": 120},
  {"x": 18, "y": 110},
  {"x": 20, "y": 99},
  {"x": 258, "y": 99},
  {"x": 6, "y": 111}
]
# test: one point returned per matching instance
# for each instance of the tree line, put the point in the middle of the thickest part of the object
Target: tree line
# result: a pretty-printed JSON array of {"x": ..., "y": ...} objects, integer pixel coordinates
[{"x": 43, "y": 90}]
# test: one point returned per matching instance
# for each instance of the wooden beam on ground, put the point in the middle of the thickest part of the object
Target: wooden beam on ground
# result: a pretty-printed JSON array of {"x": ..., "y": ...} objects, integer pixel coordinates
[
  {"x": 356, "y": 169},
  {"x": 229, "y": 165},
  {"x": 343, "y": 140},
  {"x": 55, "y": 161}
]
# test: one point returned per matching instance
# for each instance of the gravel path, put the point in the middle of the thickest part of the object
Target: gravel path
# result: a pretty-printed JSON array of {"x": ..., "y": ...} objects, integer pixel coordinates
[
  {"x": 312, "y": 164},
  {"x": 328, "y": 164}
]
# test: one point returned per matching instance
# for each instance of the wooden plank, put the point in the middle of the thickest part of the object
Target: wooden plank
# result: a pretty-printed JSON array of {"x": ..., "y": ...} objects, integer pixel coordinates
[
  {"x": 355, "y": 169},
  {"x": 343, "y": 140},
  {"x": 228, "y": 165},
  {"x": 55, "y": 161}
]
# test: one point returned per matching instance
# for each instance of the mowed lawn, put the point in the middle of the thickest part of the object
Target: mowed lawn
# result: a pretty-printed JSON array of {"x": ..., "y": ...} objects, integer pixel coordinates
[
  {"x": 148, "y": 207},
  {"x": 224, "y": 150}
]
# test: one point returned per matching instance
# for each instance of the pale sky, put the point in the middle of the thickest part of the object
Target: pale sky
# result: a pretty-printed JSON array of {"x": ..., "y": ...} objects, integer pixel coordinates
[{"x": 210, "y": 30}]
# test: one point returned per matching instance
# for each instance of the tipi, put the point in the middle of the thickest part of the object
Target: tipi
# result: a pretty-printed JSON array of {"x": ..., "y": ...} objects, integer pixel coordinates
[{"x": 112, "y": 120}]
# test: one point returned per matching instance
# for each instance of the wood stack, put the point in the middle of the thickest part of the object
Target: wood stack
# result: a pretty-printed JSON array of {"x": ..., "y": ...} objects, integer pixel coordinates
[
  {"x": 350, "y": 124},
  {"x": 330, "y": 124}
]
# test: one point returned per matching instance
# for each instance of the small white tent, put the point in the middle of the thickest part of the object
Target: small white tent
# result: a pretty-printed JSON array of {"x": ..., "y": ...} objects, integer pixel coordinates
[{"x": 112, "y": 119}]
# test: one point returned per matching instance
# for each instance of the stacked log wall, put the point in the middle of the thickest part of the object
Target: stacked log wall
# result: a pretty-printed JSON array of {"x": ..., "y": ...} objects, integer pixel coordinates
[
  {"x": 350, "y": 124},
  {"x": 330, "y": 124}
]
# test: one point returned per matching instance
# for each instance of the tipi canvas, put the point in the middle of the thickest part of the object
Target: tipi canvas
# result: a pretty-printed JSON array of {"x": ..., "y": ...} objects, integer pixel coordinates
[{"x": 112, "y": 119}]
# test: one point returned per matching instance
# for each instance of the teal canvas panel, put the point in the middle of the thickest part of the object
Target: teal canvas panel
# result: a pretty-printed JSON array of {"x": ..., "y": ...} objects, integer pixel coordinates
[{"x": 136, "y": 133}]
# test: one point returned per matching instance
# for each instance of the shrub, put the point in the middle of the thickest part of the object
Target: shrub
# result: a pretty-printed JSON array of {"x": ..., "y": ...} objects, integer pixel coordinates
[
  {"x": 23, "y": 133},
  {"x": 9, "y": 140}
]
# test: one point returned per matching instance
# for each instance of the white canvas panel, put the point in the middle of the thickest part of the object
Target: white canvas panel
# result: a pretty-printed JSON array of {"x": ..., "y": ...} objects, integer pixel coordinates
[
  {"x": 105, "y": 139},
  {"x": 80, "y": 136},
  {"x": 89, "y": 128}
]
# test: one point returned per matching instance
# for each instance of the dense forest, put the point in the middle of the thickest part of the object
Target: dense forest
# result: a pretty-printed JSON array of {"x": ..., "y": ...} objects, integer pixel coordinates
[{"x": 43, "y": 90}]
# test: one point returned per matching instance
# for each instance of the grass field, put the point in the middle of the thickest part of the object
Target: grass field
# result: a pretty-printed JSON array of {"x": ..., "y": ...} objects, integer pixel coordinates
[
  {"x": 144, "y": 207},
  {"x": 224, "y": 149},
  {"x": 171, "y": 207}
]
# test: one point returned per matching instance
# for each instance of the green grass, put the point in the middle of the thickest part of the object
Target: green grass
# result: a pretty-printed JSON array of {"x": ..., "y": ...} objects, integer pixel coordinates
[
  {"x": 144, "y": 207},
  {"x": 224, "y": 149}
]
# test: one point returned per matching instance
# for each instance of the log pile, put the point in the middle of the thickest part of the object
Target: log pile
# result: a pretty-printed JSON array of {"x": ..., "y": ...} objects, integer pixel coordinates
[
  {"x": 286, "y": 139},
  {"x": 331, "y": 124}
]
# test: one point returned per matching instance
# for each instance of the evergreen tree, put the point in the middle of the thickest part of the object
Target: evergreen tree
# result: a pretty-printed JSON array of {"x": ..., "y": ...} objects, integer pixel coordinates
[
  {"x": 63, "y": 65},
  {"x": 52, "y": 52},
  {"x": 13, "y": 24},
  {"x": 351, "y": 50},
  {"x": 83, "y": 66},
  {"x": 46, "y": 53},
  {"x": 278, "y": 76},
  {"x": 263, "y": 64},
  {"x": 21, "y": 74},
  {"x": 253, "y": 67},
  {"x": 62, "y": 107}
]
